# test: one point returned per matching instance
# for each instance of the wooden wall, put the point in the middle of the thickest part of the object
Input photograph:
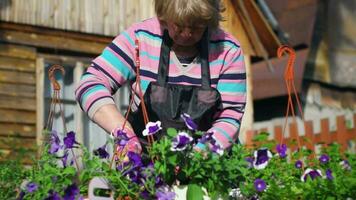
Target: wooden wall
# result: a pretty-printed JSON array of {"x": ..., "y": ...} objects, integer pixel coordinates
[
  {"x": 17, "y": 98},
  {"x": 21, "y": 89},
  {"x": 105, "y": 17}
]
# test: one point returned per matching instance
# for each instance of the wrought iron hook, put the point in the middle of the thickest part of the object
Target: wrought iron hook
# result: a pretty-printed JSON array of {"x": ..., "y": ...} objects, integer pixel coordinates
[{"x": 52, "y": 78}]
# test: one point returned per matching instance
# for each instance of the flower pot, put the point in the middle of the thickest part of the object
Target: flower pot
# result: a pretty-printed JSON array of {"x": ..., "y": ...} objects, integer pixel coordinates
[
  {"x": 181, "y": 193},
  {"x": 98, "y": 183}
]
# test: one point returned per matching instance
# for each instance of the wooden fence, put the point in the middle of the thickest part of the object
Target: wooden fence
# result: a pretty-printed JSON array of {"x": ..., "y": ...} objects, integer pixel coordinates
[{"x": 343, "y": 134}]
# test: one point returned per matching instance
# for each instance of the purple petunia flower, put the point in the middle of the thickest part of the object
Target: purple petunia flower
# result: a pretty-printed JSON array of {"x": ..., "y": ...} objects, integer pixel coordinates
[
  {"x": 31, "y": 187},
  {"x": 324, "y": 159},
  {"x": 298, "y": 164},
  {"x": 152, "y": 128},
  {"x": 64, "y": 158},
  {"x": 329, "y": 175},
  {"x": 145, "y": 195},
  {"x": 135, "y": 176},
  {"x": 311, "y": 173},
  {"x": 54, "y": 142},
  {"x": 345, "y": 165},
  {"x": 101, "y": 152},
  {"x": 122, "y": 166},
  {"x": 69, "y": 140},
  {"x": 135, "y": 159},
  {"x": 261, "y": 158},
  {"x": 217, "y": 148},
  {"x": 282, "y": 150},
  {"x": 158, "y": 181},
  {"x": 208, "y": 136},
  {"x": 71, "y": 192},
  {"x": 191, "y": 125},
  {"x": 52, "y": 195},
  {"x": 163, "y": 193},
  {"x": 181, "y": 141},
  {"x": 121, "y": 139},
  {"x": 249, "y": 161},
  {"x": 21, "y": 195},
  {"x": 260, "y": 185}
]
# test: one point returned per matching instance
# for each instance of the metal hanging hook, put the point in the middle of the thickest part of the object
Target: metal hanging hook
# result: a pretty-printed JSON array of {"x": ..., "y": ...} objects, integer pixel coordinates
[
  {"x": 52, "y": 78},
  {"x": 289, "y": 72}
]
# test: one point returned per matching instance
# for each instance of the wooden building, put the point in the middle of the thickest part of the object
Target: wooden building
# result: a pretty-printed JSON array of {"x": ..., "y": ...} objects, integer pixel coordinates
[{"x": 35, "y": 34}]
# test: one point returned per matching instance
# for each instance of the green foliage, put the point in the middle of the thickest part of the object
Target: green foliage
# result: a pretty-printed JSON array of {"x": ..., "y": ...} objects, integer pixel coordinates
[
  {"x": 205, "y": 169},
  {"x": 283, "y": 179},
  {"x": 220, "y": 174},
  {"x": 204, "y": 172},
  {"x": 12, "y": 174},
  {"x": 50, "y": 175}
]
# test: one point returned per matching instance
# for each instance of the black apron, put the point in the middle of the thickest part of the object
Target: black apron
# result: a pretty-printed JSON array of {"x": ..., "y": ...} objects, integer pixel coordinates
[{"x": 166, "y": 102}]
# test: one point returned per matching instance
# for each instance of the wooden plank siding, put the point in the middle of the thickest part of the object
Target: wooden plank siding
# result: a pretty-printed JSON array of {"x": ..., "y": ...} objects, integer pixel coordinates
[
  {"x": 108, "y": 17},
  {"x": 50, "y": 41},
  {"x": 17, "y": 99},
  {"x": 24, "y": 49}
]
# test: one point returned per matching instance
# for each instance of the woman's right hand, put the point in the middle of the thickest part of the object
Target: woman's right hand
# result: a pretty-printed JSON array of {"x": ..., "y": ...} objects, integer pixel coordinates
[
  {"x": 132, "y": 144},
  {"x": 110, "y": 119}
]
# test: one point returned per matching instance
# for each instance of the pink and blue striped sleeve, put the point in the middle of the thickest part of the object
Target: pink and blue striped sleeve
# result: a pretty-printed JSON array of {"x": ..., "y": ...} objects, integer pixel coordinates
[
  {"x": 107, "y": 73},
  {"x": 232, "y": 88}
]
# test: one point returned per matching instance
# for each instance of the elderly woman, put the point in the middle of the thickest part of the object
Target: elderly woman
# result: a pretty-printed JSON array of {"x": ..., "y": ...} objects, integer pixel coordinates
[{"x": 188, "y": 66}]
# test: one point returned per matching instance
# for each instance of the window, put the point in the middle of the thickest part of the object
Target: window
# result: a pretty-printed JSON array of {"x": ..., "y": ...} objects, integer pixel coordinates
[{"x": 88, "y": 133}]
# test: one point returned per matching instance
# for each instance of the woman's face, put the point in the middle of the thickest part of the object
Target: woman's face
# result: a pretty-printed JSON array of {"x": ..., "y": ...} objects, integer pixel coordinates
[{"x": 187, "y": 35}]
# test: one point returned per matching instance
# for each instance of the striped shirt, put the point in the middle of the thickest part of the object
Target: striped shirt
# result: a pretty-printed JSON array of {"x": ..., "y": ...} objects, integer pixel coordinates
[{"x": 115, "y": 66}]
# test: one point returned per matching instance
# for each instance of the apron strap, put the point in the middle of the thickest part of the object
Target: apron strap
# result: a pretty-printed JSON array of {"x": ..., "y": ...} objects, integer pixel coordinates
[
  {"x": 204, "y": 59},
  {"x": 163, "y": 66}
]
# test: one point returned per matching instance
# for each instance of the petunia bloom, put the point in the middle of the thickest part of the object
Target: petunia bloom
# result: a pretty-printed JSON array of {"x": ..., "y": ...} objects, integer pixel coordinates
[
  {"x": 298, "y": 164},
  {"x": 260, "y": 185},
  {"x": 121, "y": 138},
  {"x": 313, "y": 174},
  {"x": 249, "y": 161},
  {"x": 216, "y": 147},
  {"x": 64, "y": 158},
  {"x": 208, "y": 136},
  {"x": 21, "y": 195},
  {"x": 135, "y": 159},
  {"x": 101, "y": 152},
  {"x": 345, "y": 165},
  {"x": 329, "y": 175},
  {"x": 54, "y": 142},
  {"x": 31, "y": 187},
  {"x": 281, "y": 150},
  {"x": 191, "y": 125},
  {"x": 261, "y": 158},
  {"x": 181, "y": 141},
  {"x": 52, "y": 195},
  {"x": 69, "y": 141},
  {"x": 152, "y": 128},
  {"x": 71, "y": 192},
  {"x": 324, "y": 159},
  {"x": 163, "y": 193}
]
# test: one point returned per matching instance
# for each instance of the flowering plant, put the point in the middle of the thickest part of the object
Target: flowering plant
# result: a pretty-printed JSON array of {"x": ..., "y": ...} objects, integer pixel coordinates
[
  {"x": 302, "y": 175},
  {"x": 191, "y": 158}
]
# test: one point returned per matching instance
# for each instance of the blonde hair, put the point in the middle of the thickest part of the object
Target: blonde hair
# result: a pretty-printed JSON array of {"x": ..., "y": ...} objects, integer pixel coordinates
[{"x": 190, "y": 12}]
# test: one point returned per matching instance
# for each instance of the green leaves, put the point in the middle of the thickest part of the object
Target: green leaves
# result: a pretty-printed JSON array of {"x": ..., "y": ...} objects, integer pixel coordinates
[
  {"x": 204, "y": 173},
  {"x": 171, "y": 132}
]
